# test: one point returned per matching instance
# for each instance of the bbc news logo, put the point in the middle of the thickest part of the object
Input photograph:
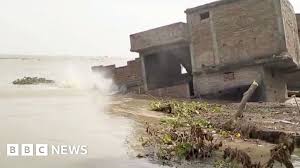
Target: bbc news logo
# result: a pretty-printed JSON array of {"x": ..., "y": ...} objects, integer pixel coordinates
[{"x": 45, "y": 150}]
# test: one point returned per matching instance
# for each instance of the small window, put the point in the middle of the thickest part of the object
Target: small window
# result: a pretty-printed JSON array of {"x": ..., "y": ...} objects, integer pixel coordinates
[
  {"x": 229, "y": 76},
  {"x": 204, "y": 15}
]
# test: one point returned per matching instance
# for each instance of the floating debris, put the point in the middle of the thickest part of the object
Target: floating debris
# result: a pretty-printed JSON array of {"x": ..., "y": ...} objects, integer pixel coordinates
[{"x": 32, "y": 81}]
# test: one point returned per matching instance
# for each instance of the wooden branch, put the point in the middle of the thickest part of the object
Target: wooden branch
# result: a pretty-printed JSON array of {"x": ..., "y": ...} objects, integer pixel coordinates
[
  {"x": 247, "y": 95},
  {"x": 233, "y": 123}
]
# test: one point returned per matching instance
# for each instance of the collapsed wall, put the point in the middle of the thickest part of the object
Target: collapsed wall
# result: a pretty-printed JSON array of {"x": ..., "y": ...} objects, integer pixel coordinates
[{"x": 128, "y": 78}]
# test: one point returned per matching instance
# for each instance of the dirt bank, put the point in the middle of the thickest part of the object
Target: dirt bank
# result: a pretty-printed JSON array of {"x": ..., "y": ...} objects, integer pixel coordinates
[{"x": 272, "y": 116}]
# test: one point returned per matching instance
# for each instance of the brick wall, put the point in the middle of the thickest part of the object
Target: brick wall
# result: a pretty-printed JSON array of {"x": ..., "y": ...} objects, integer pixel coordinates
[
  {"x": 177, "y": 91},
  {"x": 129, "y": 76},
  {"x": 214, "y": 83},
  {"x": 272, "y": 86},
  {"x": 290, "y": 29},
  {"x": 239, "y": 31}
]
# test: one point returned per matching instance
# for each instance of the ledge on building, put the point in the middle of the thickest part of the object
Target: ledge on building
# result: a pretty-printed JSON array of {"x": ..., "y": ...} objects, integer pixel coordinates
[{"x": 166, "y": 35}]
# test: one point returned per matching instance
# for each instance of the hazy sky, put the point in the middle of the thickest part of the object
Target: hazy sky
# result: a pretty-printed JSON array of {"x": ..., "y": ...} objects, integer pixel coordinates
[{"x": 84, "y": 27}]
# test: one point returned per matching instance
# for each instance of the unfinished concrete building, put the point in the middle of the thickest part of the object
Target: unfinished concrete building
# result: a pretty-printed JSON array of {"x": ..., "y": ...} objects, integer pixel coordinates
[
  {"x": 163, "y": 52},
  {"x": 224, "y": 47},
  {"x": 234, "y": 42},
  {"x": 231, "y": 43}
]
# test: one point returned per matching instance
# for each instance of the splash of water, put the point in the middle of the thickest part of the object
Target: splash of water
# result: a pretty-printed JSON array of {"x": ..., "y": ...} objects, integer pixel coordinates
[{"x": 78, "y": 76}]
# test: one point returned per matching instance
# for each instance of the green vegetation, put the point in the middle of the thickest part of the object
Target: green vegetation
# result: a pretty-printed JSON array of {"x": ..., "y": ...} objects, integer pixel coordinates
[
  {"x": 225, "y": 164},
  {"x": 32, "y": 81},
  {"x": 184, "y": 134},
  {"x": 180, "y": 107}
]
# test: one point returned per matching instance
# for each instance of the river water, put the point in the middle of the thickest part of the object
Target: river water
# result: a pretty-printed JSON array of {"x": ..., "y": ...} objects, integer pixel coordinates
[{"x": 71, "y": 112}]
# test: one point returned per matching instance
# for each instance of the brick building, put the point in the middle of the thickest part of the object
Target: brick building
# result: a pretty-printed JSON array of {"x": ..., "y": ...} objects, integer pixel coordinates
[
  {"x": 224, "y": 46},
  {"x": 163, "y": 52},
  {"x": 234, "y": 42}
]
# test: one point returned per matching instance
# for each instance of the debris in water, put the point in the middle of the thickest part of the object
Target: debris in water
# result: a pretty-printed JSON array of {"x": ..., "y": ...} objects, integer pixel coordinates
[{"x": 32, "y": 81}]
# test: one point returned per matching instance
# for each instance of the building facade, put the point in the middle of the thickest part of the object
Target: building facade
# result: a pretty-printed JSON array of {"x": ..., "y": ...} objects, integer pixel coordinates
[
  {"x": 223, "y": 47},
  {"x": 234, "y": 42}
]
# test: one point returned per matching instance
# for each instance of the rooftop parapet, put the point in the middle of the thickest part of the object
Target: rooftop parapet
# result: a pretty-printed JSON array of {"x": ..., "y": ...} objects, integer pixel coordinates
[
  {"x": 209, "y": 6},
  {"x": 166, "y": 35}
]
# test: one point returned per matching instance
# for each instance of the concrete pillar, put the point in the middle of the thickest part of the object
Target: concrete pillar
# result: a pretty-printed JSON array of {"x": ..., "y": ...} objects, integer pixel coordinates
[
  {"x": 274, "y": 86},
  {"x": 144, "y": 74}
]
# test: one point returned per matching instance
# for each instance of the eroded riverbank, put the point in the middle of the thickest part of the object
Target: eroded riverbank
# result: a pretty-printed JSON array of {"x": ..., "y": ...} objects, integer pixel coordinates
[{"x": 264, "y": 115}]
